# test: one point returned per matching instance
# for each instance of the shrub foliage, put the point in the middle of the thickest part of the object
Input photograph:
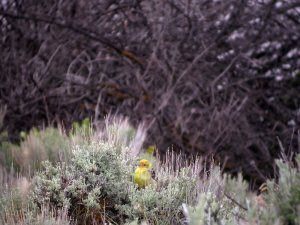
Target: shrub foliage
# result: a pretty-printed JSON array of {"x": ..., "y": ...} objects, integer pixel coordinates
[{"x": 95, "y": 186}]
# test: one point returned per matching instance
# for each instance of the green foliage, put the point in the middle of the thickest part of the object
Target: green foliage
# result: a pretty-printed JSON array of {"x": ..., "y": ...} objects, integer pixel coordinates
[
  {"x": 45, "y": 217},
  {"x": 6, "y": 156},
  {"x": 39, "y": 145},
  {"x": 119, "y": 133},
  {"x": 281, "y": 203},
  {"x": 283, "y": 197},
  {"x": 209, "y": 210},
  {"x": 162, "y": 204},
  {"x": 98, "y": 179},
  {"x": 236, "y": 189},
  {"x": 95, "y": 180},
  {"x": 82, "y": 131},
  {"x": 223, "y": 206},
  {"x": 15, "y": 210},
  {"x": 11, "y": 205},
  {"x": 83, "y": 126},
  {"x": 87, "y": 178}
]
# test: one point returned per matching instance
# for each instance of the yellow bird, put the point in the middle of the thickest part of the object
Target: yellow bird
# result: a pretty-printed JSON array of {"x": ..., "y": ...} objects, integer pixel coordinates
[
  {"x": 149, "y": 155},
  {"x": 151, "y": 149},
  {"x": 142, "y": 175}
]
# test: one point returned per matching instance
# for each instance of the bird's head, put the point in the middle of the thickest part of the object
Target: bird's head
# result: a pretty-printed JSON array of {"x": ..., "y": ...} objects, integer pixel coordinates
[{"x": 144, "y": 163}]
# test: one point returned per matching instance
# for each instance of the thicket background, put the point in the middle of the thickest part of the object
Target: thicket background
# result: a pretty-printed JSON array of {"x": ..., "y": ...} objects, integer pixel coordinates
[{"x": 206, "y": 77}]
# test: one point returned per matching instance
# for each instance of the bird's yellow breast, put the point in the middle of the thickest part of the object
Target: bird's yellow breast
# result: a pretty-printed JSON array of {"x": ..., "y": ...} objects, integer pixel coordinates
[{"x": 142, "y": 177}]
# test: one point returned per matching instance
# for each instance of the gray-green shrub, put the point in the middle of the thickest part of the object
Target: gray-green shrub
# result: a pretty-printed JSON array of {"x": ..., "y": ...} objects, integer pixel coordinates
[
  {"x": 95, "y": 180},
  {"x": 162, "y": 204}
]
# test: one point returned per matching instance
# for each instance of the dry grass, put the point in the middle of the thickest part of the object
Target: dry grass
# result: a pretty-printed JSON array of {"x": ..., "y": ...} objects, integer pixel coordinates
[{"x": 187, "y": 191}]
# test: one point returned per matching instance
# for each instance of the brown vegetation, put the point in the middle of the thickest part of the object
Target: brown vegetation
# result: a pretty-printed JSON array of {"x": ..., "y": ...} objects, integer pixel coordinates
[{"x": 202, "y": 75}]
